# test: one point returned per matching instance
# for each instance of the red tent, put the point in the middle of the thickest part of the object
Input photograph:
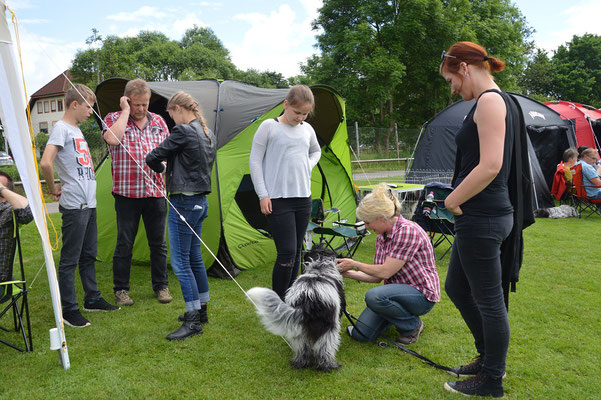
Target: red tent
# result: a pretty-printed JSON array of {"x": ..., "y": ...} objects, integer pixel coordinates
[{"x": 583, "y": 116}]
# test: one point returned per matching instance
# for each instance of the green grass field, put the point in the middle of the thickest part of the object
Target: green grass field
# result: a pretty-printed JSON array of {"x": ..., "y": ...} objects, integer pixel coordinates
[{"x": 554, "y": 352}]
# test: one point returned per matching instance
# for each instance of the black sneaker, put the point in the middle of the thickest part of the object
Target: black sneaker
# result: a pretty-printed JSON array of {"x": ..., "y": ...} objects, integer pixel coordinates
[
  {"x": 99, "y": 305},
  {"x": 471, "y": 369},
  {"x": 479, "y": 385},
  {"x": 75, "y": 319}
]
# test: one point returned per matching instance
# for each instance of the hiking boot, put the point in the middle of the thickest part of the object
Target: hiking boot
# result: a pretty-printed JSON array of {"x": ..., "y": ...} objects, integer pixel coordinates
[
  {"x": 190, "y": 327},
  {"x": 122, "y": 298},
  {"x": 99, "y": 305},
  {"x": 163, "y": 295},
  {"x": 75, "y": 319},
  {"x": 202, "y": 312},
  {"x": 479, "y": 385},
  {"x": 471, "y": 369},
  {"x": 413, "y": 336}
]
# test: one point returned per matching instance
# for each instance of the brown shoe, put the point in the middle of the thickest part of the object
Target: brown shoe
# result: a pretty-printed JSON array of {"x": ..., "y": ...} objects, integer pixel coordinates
[
  {"x": 163, "y": 295},
  {"x": 122, "y": 298},
  {"x": 413, "y": 336}
]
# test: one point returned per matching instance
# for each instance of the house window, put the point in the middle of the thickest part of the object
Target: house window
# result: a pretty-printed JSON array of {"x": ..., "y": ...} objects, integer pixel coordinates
[
  {"x": 44, "y": 127},
  {"x": 60, "y": 105},
  {"x": 40, "y": 110},
  {"x": 53, "y": 105},
  {"x": 46, "y": 106}
]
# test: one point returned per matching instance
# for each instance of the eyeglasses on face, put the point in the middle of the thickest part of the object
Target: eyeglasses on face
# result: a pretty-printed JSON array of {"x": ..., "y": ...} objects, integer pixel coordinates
[{"x": 445, "y": 54}]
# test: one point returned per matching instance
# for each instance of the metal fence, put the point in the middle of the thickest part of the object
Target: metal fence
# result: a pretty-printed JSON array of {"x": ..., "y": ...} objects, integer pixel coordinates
[{"x": 381, "y": 143}]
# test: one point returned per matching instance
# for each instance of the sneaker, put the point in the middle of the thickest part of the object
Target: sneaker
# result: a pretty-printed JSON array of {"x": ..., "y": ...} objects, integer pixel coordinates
[
  {"x": 75, "y": 319},
  {"x": 163, "y": 295},
  {"x": 479, "y": 385},
  {"x": 99, "y": 305},
  {"x": 122, "y": 298},
  {"x": 413, "y": 336},
  {"x": 471, "y": 369}
]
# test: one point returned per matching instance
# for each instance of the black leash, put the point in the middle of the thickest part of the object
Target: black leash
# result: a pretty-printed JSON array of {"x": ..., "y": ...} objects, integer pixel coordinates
[{"x": 392, "y": 343}]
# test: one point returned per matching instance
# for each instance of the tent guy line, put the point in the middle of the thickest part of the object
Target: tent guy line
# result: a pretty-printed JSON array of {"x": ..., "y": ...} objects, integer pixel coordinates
[{"x": 146, "y": 176}]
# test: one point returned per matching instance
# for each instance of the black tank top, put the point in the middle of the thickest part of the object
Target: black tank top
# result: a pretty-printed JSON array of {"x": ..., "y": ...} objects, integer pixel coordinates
[{"x": 494, "y": 199}]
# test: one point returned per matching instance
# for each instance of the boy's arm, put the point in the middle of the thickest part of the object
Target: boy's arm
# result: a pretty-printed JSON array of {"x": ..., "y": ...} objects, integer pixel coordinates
[{"x": 48, "y": 170}]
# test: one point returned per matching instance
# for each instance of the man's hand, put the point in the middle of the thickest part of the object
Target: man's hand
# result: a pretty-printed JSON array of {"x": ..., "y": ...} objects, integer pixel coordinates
[
  {"x": 265, "y": 204},
  {"x": 124, "y": 103},
  {"x": 345, "y": 264}
]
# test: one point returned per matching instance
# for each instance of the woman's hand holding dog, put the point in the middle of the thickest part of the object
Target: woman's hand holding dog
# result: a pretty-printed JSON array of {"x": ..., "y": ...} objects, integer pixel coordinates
[{"x": 346, "y": 264}]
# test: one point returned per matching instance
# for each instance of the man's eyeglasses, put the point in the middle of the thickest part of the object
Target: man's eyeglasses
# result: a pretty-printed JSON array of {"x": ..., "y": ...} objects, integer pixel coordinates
[{"x": 445, "y": 54}]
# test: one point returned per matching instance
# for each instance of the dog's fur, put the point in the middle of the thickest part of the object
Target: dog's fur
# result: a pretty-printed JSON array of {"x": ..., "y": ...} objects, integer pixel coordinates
[{"x": 310, "y": 317}]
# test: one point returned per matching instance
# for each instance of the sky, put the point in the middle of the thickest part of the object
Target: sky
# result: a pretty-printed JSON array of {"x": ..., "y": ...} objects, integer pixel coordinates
[{"x": 273, "y": 35}]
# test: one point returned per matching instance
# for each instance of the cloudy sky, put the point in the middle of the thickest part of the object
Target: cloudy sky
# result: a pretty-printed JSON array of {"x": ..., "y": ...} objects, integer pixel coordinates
[{"x": 262, "y": 34}]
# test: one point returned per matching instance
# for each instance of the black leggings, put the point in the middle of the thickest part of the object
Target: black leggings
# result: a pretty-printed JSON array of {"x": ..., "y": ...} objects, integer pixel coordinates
[
  {"x": 474, "y": 285},
  {"x": 288, "y": 222}
]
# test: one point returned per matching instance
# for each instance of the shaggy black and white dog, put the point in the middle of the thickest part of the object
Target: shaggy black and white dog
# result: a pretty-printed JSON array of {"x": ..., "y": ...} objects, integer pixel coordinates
[{"x": 310, "y": 317}]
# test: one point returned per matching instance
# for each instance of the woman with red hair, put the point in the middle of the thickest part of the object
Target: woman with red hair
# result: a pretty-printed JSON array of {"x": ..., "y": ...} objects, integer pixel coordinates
[{"x": 484, "y": 215}]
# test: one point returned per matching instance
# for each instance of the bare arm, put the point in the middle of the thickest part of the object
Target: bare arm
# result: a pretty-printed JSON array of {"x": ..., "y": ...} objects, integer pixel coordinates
[
  {"x": 596, "y": 182},
  {"x": 490, "y": 119},
  {"x": 48, "y": 171},
  {"x": 378, "y": 272},
  {"x": 14, "y": 199},
  {"x": 114, "y": 134}
]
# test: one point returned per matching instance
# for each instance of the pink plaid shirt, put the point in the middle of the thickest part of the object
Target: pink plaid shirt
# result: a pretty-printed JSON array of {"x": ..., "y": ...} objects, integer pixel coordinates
[
  {"x": 409, "y": 242},
  {"x": 128, "y": 178}
]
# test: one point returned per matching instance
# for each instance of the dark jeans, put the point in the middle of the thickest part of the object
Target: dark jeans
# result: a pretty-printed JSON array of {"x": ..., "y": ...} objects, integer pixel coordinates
[
  {"x": 153, "y": 211},
  {"x": 186, "y": 257},
  {"x": 288, "y": 222},
  {"x": 80, "y": 238},
  {"x": 474, "y": 285}
]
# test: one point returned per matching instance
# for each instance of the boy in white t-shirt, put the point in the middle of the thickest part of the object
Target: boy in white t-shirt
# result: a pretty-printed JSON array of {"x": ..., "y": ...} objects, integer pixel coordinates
[{"x": 68, "y": 150}]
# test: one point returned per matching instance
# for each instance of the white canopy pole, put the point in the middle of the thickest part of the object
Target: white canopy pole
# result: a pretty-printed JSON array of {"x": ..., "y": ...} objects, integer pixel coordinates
[{"x": 12, "y": 114}]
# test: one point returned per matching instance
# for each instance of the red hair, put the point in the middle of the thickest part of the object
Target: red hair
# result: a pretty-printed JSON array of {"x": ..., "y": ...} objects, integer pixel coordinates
[{"x": 472, "y": 54}]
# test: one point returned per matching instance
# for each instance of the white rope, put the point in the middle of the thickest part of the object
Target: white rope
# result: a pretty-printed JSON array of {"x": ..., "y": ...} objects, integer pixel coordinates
[
  {"x": 360, "y": 166},
  {"x": 156, "y": 187}
]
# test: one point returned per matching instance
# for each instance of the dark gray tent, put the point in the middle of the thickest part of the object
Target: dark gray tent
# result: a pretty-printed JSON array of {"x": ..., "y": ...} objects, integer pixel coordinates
[{"x": 548, "y": 136}]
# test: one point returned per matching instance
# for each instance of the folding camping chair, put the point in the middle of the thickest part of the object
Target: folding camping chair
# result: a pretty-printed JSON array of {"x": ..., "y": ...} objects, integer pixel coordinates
[
  {"x": 583, "y": 203},
  {"x": 13, "y": 296},
  {"x": 328, "y": 230},
  {"x": 437, "y": 221}
]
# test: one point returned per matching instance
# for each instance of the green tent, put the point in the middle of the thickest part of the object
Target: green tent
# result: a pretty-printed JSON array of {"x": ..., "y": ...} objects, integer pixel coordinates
[{"x": 235, "y": 230}]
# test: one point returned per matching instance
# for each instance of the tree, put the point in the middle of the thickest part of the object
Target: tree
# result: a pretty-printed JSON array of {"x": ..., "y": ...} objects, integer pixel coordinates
[
  {"x": 537, "y": 79},
  {"x": 384, "y": 55},
  {"x": 577, "y": 74}
]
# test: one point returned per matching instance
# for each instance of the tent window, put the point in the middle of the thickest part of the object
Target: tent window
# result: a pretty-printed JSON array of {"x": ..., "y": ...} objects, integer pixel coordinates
[
  {"x": 40, "y": 110},
  {"x": 248, "y": 202}
]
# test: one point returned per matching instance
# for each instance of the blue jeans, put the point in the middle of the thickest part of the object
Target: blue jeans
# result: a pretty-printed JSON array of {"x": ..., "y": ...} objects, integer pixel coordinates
[
  {"x": 186, "y": 259},
  {"x": 80, "y": 239},
  {"x": 396, "y": 304},
  {"x": 474, "y": 285}
]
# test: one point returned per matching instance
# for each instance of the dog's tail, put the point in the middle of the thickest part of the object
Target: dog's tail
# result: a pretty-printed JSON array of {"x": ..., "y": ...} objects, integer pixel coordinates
[{"x": 277, "y": 317}]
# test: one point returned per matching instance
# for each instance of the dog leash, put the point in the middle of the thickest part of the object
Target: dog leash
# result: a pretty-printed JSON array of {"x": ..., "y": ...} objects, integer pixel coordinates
[{"x": 392, "y": 343}]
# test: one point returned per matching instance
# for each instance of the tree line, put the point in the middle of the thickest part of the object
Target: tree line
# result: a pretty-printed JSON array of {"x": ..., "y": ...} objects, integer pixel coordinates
[{"x": 382, "y": 55}]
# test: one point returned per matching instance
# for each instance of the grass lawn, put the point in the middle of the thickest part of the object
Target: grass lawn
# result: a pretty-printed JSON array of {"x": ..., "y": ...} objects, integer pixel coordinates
[{"x": 554, "y": 352}]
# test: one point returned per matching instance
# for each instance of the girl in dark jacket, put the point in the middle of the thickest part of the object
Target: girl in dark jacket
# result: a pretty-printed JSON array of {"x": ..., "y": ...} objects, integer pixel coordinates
[{"x": 189, "y": 152}]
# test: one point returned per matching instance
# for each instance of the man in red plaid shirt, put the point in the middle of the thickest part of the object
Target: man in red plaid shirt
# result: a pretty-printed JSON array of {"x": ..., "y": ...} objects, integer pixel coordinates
[{"x": 139, "y": 191}]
